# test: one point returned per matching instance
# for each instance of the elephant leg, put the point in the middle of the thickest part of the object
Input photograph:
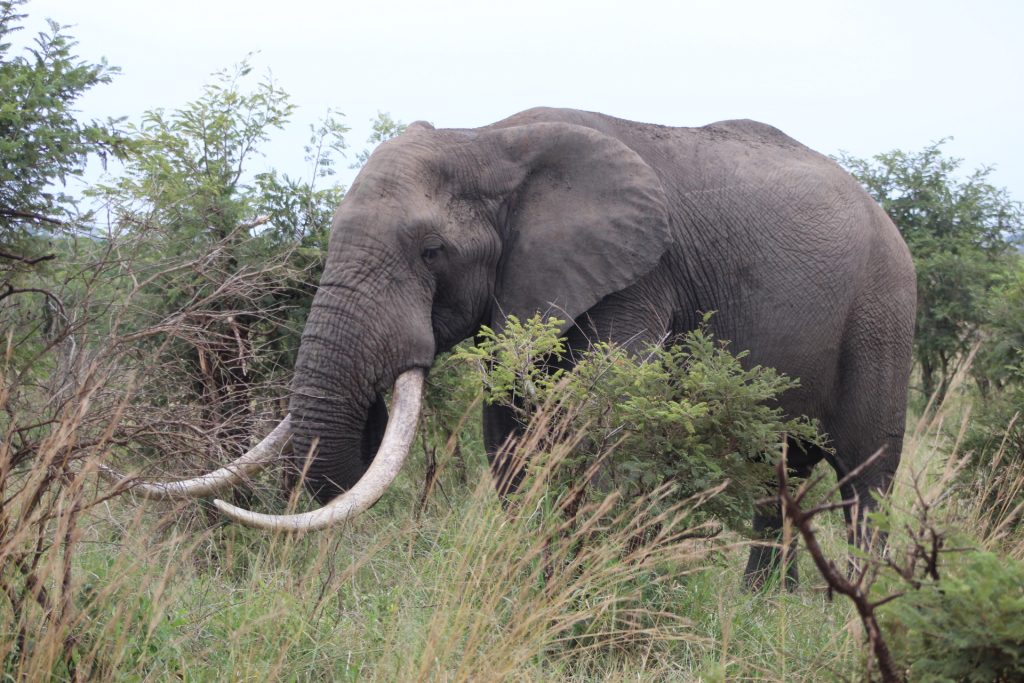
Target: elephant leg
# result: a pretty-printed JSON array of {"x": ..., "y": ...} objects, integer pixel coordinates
[
  {"x": 500, "y": 426},
  {"x": 766, "y": 557},
  {"x": 872, "y": 418}
]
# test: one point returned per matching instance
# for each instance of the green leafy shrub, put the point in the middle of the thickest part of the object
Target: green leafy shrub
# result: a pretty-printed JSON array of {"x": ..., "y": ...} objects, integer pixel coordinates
[
  {"x": 689, "y": 414},
  {"x": 968, "y": 626}
]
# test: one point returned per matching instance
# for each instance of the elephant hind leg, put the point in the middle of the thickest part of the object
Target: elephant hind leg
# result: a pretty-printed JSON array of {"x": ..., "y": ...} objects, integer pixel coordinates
[{"x": 871, "y": 417}]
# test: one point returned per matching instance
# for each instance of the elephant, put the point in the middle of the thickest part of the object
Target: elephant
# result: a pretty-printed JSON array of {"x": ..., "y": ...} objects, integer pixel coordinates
[{"x": 630, "y": 232}]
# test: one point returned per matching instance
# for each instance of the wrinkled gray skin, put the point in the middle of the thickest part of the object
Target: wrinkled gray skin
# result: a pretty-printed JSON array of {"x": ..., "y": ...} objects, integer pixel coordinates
[{"x": 631, "y": 231}]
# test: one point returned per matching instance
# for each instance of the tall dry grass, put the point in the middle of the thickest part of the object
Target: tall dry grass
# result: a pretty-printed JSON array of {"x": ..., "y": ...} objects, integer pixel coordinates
[
  {"x": 98, "y": 588},
  {"x": 545, "y": 581},
  {"x": 540, "y": 589},
  {"x": 987, "y": 503}
]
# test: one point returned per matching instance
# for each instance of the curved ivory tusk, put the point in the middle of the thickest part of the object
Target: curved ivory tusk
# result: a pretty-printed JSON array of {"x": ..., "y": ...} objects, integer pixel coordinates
[
  {"x": 398, "y": 437},
  {"x": 258, "y": 457}
]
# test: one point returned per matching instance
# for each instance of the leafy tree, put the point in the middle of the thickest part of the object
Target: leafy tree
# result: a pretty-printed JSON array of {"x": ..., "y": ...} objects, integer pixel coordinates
[
  {"x": 995, "y": 436},
  {"x": 384, "y": 128},
  {"x": 1004, "y": 333},
  {"x": 961, "y": 231},
  {"x": 236, "y": 252},
  {"x": 42, "y": 142},
  {"x": 189, "y": 175}
]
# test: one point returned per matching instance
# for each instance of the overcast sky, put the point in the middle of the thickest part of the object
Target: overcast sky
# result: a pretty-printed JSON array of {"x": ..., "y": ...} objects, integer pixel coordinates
[{"x": 864, "y": 76}]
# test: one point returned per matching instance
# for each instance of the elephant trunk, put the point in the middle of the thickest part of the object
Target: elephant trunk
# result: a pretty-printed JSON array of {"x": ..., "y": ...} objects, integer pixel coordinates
[
  {"x": 346, "y": 449},
  {"x": 336, "y": 431},
  {"x": 385, "y": 465},
  {"x": 356, "y": 345}
]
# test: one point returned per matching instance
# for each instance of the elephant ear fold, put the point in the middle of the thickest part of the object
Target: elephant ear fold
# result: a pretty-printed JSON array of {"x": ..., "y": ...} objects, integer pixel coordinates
[{"x": 587, "y": 218}]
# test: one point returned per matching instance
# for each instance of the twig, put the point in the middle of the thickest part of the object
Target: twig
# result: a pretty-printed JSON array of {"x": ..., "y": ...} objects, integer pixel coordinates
[{"x": 835, "y": 578}]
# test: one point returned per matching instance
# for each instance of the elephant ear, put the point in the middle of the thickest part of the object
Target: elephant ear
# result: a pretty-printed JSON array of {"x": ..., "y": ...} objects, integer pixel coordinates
[{"x": 587, "y": 218}]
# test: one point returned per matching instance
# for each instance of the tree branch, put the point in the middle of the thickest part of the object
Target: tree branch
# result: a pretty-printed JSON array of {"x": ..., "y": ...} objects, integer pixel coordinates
[
  {"x": 27, "y": 215},
  {"x": 11, "y": 291},
  {"x": 835, "y": 578},
  {"x": 27, "y": 261}
]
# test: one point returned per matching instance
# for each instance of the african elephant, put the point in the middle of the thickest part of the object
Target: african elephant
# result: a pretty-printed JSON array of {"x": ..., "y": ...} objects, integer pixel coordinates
[{"x": 630, "y": 232}]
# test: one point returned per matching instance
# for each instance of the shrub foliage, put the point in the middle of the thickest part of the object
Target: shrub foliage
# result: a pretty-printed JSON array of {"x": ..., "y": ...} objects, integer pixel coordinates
[
  {"x": 967, "y": 626},
  {"x": 688, "y": 413}
]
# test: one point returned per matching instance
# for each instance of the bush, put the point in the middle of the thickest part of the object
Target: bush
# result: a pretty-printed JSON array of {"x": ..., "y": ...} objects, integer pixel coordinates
[
  {"x": 688, "y": 414},
  {"x": 967, "y": 627}
]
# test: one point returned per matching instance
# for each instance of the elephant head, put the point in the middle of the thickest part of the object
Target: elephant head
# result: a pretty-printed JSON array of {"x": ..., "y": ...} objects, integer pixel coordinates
[{"x": 442, "y": 231}]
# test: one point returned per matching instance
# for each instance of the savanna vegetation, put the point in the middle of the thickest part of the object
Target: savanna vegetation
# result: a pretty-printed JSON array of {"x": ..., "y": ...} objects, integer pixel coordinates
[{"x": 151, "y": 321}]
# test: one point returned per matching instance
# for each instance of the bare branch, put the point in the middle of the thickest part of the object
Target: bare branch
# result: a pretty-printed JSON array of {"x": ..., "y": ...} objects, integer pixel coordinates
[
  {"x": 835, "y": 578},
  {"x": 28, "y": 215},
  {"x": 25, "y": 260}
]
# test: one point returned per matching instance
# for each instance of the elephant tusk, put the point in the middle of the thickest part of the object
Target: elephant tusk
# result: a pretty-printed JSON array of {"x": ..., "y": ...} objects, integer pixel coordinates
[
  {"x": 256, "y": 459},
  {"x": 398, "y": 438}
]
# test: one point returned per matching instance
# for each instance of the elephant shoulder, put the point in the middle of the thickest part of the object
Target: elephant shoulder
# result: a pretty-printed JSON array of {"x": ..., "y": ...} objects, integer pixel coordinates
[{"x": 750, "y": 131}]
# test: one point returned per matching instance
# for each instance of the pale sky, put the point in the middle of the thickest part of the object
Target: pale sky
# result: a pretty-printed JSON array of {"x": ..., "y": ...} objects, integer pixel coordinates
[{"x": 864, "y": 76}]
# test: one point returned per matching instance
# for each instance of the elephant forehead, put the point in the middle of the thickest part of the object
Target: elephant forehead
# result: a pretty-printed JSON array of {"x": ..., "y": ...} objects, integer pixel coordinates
[
  {"x": 397, "y": 184},
  {"x": 397, "y": 214},
  {"x": 415, "y": 158},
  {"x": 388, "y": 204}
]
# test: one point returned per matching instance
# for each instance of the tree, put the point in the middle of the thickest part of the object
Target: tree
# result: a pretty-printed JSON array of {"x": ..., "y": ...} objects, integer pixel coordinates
[
  {"x": 962, "y": 232},
  {"x": 41, "y": 140},
  {"x": 250, "y": 246},
  {"x": 43, "y": 144},
  {"x": 384, "y": 128},
  {"x": 1001, "y": 361}
]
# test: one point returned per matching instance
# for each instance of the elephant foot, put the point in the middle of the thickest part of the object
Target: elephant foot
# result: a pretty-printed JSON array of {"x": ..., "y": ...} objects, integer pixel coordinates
[{"x": 764, "y": 567}]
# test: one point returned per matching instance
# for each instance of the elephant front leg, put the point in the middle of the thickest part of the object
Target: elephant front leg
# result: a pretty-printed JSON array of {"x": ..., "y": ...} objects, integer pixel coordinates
[
  {"x": 501, "y": 429},
  {"x": 766, "y": 557}
]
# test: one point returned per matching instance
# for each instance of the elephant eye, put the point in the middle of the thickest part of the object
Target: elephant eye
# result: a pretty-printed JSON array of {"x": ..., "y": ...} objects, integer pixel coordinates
[{"x": 431, "y": 254}]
